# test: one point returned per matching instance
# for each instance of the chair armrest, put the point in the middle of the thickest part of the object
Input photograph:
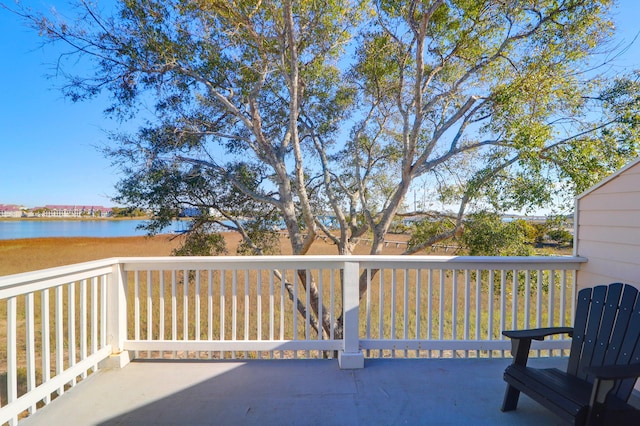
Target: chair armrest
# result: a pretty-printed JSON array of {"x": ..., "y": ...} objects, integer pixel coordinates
[
  {"x": 521, "y": 340},
  {"x": 537, "y": 333},
  {"x": 614, "y": 372}
]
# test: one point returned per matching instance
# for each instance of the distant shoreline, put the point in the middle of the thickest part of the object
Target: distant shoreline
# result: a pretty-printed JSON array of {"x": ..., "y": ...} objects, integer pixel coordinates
[{"x": 34, "y": 219}]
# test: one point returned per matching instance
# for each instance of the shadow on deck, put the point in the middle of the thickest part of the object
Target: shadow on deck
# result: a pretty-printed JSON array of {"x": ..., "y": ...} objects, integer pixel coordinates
[{"x": 296, "y": 392}]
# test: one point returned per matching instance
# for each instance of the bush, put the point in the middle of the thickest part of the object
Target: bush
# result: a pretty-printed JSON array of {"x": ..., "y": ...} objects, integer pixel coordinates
[
  {"x": 561, "y": 236},
  {"x": 485, "y": 234},
  {"x": 201, "y": 243}
]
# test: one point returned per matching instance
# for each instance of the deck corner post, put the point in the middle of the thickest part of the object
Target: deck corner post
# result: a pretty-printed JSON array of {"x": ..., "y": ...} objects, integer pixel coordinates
[
  {"x": 117, "y": 311},
  {"x": 351, "y": 357}
]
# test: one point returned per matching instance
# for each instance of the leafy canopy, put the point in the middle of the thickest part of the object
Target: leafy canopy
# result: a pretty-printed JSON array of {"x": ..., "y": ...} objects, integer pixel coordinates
[{"x": 298, "y": 110}]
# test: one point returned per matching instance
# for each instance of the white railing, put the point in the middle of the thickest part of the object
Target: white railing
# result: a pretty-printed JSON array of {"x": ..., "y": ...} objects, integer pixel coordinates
[
  {"x": 228, "y": 305},
  {"x": 458, "y": 306},
  {"x": 55, "y": 332},
  {"x": 242, "y": 307}
]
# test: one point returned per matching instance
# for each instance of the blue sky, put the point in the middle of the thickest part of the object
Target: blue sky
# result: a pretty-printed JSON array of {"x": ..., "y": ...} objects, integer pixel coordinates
[{"x": 48, "y": 145}]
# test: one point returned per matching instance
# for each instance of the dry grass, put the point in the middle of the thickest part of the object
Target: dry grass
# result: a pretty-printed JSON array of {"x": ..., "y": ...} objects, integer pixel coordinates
[
  {"x": 24, "y": 255},
  {"x": 32, "y": 254}
]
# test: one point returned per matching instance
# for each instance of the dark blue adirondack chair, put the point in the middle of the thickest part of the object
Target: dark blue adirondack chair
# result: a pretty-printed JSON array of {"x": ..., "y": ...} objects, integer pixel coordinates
[{"x": 604, "y": 361}]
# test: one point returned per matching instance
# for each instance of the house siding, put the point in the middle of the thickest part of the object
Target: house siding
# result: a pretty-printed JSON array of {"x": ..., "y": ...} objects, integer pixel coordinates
[{"x": 608, "y": 230}]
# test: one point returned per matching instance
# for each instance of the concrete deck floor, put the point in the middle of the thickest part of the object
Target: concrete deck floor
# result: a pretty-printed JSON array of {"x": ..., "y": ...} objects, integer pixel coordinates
[{"x": 296, "y": 392}]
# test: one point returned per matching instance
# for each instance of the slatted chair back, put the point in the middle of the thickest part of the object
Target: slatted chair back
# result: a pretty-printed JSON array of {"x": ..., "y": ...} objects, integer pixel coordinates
[{"x": 606, "y": 331}]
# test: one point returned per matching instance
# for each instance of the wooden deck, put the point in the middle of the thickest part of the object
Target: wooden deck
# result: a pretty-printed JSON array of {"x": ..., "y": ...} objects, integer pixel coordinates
[{"x": 296, "y": 392}]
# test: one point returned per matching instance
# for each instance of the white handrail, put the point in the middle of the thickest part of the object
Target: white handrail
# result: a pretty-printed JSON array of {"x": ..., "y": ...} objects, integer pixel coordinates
[{"x": 257, "y": 306}]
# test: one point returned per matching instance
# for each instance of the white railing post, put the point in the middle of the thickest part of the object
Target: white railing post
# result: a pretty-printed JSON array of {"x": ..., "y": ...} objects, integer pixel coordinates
[
  {"x": 351, "y": 356},
  {"x": 117, "y": 316},
  {"x": 12, "y": 359}
]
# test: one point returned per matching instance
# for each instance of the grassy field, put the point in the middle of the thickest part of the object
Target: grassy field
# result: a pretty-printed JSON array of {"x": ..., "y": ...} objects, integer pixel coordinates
[
  {"x": 24, "y": 255},
  {"x": 32, "y": 254}
]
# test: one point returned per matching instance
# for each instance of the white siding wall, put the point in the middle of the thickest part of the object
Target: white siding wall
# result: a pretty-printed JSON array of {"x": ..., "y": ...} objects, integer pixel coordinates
[{"x": 608, "y": 230}]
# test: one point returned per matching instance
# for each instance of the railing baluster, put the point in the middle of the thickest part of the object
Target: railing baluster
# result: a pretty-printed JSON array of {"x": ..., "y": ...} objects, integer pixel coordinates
[
  {"x": 185, "y": 305},
  {"x": 161, "y": 308},
  {"x": 479, "y": 306},
  {"x": 209, "y": 308},
  {"x": 514, "y": 302},
  {"x": 282, "y": 306},
  {"x": 405, "y": 318},
  {"x": 490, "y": 312},
  {"x": 136, "y": 306},
  {"x": 552, "y": 298},
  {"x": 259, "y": 309},
  {"x": 332, "y": 312},
  {"x": 94, "y": 318},
  {"x": 454, "y": 308},
  {"x": 393, "y": 309},
  {"x": 12, "y": 353},
  {"x": 223, "y": 308},
  {"x": 271, "y": 310},
  {"x": 527, "y": 299},
  {"x": 539, "y": 284},
  {"x": 83, "y": 323},
  {"x": 563, "y": 312},
  {"x": 234, "y": 309},
  {"x": 307, "y": 310},
  {"x": 71, "y": 326},
  {"x": 59, "y": 334},
  {"x": 467, "y": 307},
  {"x": 103, "y": 311},
  {"x": 295, "y": 310},
  {"x": 552, "y": 286},
  {"x": 174, "y": 309},
  {"x": 539, "y": 302},
  {"x": 46, "y": 340},
  {"x": 197, "y": 306},
  {"x": 30, "y": 345},
  {"x": 381, "y": 307},
  {"x": 429, "y": 305},
  {"x": 573, "y": 297},
  {"x": 563, "y": 291},
  {"x": 503, "y": 302},
  {"x": 441, "y": 311},
  {"x": 368, "y": 308},
  {"x": 247, "y": 307},
  {"x": 418, "y": 313},
  {"x": 320, "y": 307},
  {"x": 149, "y": 307}
]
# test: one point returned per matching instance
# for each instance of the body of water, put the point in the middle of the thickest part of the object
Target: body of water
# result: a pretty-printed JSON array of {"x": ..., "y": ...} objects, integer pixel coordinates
[{"x": 13, "y": 229}]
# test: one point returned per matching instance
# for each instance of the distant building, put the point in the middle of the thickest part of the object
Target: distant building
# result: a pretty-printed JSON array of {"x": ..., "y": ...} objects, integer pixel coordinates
[
  {"x": 71, "y": 211},
  {"x": 10, "y": 210},
  {"x": 190, "y": 212}
]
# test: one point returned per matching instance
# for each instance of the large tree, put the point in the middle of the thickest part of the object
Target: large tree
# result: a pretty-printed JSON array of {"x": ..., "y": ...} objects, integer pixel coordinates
[
  {"x": 494, "y": 102},
  {"x": 261, "y": 112}
]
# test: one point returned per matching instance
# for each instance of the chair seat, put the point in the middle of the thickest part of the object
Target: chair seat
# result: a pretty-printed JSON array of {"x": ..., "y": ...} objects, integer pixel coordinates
[
  {"x": 555, "y": 389},
  {"x": 562, "y": 393}
]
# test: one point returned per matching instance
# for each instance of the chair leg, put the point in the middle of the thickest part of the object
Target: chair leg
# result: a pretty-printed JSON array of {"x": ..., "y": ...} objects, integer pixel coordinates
[
  {"x": 511, "y": 396},
  {"x": 520, "y": 351}
]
